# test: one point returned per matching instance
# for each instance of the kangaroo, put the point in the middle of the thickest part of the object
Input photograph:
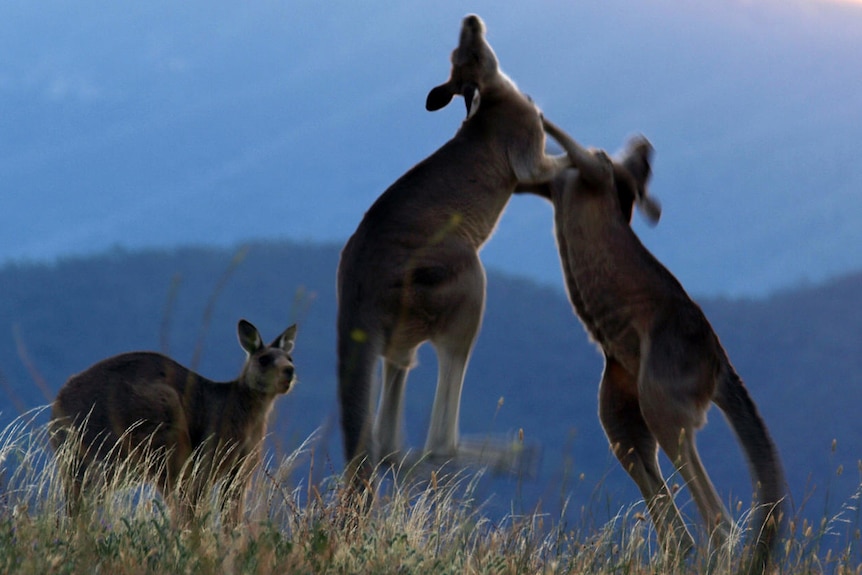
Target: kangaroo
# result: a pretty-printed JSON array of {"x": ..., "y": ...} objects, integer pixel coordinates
[
  {"x": 664, "y": 364},
  {"x": 411, "y": 272},
  {"x": 146, "y": 415}
]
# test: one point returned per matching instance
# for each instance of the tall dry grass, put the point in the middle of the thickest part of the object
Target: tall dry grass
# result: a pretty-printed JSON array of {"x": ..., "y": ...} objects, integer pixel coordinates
[{"x": 293, "y": 524}]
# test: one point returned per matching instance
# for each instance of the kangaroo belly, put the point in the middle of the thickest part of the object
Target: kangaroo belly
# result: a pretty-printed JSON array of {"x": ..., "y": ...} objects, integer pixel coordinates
[
  {"x": 624, "y": 347},
  {"x": 610, "y": 314},
  {"x": 617, "y": 336}
]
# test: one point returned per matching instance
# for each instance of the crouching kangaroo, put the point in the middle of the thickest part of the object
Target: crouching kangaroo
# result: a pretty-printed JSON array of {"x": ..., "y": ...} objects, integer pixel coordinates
[
  {"x": 146, "y": 416},
  {"x": 664, "y": 364},
  {"x": 411, "y": 272}
]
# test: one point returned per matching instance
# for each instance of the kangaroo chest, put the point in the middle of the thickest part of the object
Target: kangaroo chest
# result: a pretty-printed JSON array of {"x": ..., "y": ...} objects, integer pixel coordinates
[
  {"x": 609, "y": 317},
  {"x": 603, "y": 285}
]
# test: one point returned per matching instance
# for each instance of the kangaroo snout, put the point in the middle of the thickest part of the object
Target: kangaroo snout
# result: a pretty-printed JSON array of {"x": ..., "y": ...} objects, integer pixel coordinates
[
  {"x": 472, "y": 24},
  {"x": 288, "y": 378},
  {"x": 277, "y": 373}
]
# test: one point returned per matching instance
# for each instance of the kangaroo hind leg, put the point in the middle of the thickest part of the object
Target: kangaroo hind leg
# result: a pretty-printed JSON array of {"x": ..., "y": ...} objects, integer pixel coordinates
[
  {"x": 389, "y": 423},
  {"x": 461, "y": 304},
  {"x": 674, "y": 397},
  {"x": 176, "y": 475},
  {"x": 637, "y": 450},
  {"x": 443, "y": 432}
]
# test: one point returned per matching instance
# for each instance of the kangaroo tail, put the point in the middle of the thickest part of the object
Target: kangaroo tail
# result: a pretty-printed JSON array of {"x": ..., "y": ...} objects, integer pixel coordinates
[
  {"x": 357, "y": 356},
  {"x": 764, "y": 465}
]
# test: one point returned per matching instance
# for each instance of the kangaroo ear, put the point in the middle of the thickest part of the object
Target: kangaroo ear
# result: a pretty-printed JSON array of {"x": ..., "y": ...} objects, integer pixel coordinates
[
  {"x": 249, "y": 337},
  {"x": 637, "y": 159},
  {"x": 438, "y": 97},
  {"x": 286, "y": 340},
  {"x": 649, "y": 207}
]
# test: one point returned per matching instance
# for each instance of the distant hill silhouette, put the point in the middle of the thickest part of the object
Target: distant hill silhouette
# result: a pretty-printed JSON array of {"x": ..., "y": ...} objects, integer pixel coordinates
[{"x": 799, "y": 351}]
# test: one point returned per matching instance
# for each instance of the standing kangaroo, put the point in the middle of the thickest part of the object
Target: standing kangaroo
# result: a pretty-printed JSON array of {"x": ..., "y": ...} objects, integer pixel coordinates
[
  {"x": 411, "y": 272},
  {"x": 664, "y": 364},
  {"x": 147, "y": 415}
]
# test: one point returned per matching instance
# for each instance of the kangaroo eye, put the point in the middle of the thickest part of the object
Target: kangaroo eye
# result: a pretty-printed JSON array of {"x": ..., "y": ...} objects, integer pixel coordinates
[{"x": 264, "y": 360}]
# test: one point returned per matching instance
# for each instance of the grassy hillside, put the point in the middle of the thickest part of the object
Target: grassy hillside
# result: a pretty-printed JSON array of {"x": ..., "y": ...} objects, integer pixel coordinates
[
  {"x": 533, "y": 369},
  {"x": 431, "y": 525}
]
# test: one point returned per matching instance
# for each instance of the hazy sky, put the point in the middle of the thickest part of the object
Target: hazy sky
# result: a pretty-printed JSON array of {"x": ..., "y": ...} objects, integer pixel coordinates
[{"x": 212, "y": 123}]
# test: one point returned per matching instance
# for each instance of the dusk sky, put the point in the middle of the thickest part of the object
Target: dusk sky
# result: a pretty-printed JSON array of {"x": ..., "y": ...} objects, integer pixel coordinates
[{"x": 162, "y": 124}]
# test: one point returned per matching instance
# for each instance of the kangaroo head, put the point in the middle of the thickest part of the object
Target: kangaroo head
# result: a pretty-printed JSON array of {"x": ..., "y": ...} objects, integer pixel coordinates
[
  {"x": 632, "y": 173},
  {"x": 268, "y": 368},
  {"x": 474, "y": 69}
]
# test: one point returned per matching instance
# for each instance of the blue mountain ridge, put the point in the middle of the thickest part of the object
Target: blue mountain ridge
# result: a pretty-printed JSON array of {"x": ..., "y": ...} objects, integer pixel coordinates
[{"x": 533, "y": 369}]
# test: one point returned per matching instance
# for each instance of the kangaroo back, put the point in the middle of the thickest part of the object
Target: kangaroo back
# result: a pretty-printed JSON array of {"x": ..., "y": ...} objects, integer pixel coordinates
[{"x": 133, "y": 396}]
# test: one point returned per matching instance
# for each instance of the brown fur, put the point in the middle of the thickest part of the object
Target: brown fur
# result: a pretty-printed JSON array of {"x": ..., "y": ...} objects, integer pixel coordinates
[
  {"x": 411, "y": 272},
  {"x": 148, "y": 415},
  {"x": 664, "y": 365}
]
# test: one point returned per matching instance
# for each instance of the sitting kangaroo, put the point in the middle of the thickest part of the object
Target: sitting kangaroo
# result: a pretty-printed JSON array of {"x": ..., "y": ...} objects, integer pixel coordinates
[
  {"x": 147, "y": 415},
  {"x": 411, "y": 272},
  {"x": 664, "y": 364}
]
